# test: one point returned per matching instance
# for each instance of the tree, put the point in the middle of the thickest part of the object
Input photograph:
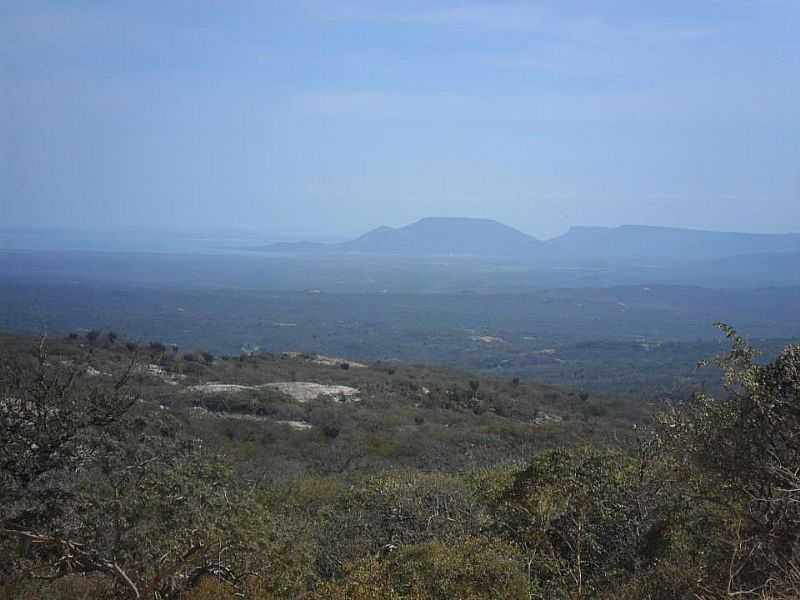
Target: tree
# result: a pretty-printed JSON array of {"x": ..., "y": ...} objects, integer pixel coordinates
[
  {"x": 96, "y": 482},
  {"x": 737, "y": 464},
  {"x": 568, "y": 514}
]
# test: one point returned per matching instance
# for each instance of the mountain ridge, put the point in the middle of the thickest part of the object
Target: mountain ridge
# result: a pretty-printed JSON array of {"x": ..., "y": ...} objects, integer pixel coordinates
[
  {"x": 648, "y": 241},
  {"x": 487, "y": 238}
]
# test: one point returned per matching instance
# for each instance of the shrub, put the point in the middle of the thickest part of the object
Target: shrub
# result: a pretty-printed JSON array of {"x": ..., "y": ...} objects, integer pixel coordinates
[
  {"x": 471, "y": 568},
  {"x": 735, "y": 461},
  {"x": 567, "y": 510},
  {"x": 111, "y": 489},
  {"x": 593, "y": 409}
]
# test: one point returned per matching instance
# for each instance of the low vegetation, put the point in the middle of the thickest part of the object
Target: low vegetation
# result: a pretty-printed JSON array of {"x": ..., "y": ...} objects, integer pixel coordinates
[
  {"x": 639, "y": 342},
  {"x": 120, "y": 481}
]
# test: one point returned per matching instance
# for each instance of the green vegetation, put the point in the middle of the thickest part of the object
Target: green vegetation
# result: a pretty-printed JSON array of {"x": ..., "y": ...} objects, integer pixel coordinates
[
  {"x": 634, "y": 341},
  {"x": 135, "y": 471}
]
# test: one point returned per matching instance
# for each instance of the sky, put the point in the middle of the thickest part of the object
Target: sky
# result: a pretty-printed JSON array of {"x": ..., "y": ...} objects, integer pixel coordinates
[{"x": 322, "y": 118}]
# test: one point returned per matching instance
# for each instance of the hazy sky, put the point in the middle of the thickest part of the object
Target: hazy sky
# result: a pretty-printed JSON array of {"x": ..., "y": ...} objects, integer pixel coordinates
[{"x": 325, "y": 118}]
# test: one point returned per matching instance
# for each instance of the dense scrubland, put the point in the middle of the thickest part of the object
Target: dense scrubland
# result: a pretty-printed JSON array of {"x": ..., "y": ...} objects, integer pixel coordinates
[{"x": 142, "y": 470}]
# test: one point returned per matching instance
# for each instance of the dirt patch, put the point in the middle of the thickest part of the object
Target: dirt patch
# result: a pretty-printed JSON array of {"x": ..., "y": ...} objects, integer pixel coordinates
[
  {"x": 544, "y": 419},
  {"x": 301, "y": 391},
  {"x": 92, "y": 372},
  {"x": 487, "y": 339},
  {"x": 159, "y": 373},
  {"x": 298, "y": 425},
  {"x": 328, "y": 361},
  {"x": 220, "y": 388}
]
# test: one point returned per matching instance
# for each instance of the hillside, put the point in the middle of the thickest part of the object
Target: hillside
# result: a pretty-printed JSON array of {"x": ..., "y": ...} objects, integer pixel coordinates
[
  {"x": 302, "y": 413},
  {"x": 137, "y": 470}
]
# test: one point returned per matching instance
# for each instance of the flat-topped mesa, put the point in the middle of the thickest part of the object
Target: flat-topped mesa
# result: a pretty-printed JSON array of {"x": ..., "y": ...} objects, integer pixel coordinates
[
  {"x": 485, "y": 238},
  {"x": 645, "y": 241},
  {"x": 431, "y": 236},
  {"x": 446, "y": 236}
]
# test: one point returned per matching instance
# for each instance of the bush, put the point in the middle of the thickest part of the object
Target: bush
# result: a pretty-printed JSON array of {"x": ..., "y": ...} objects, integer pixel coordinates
[
  {"x": 471, "y": 568},
  {"x": 111, "y": 489},
  {"x": 568, "y": 510},
  {"x": 735, "y": 461},
  {"x": 593, "y": 409}
]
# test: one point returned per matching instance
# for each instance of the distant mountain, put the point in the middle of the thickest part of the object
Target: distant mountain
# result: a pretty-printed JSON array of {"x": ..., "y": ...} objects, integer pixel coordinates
[
  {"x": 641, "y": 241},
  {"x": 447, "y": 236},
  {"x": 485, "y": 238},
  {"x": 433, "y": 236}
]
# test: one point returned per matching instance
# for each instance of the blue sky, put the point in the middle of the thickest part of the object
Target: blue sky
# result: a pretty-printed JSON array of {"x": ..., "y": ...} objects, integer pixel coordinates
[{"x": 323, "y": 119}]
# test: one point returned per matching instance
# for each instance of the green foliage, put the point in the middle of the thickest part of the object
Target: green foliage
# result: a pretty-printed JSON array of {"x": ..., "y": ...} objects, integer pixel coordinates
[
  {"x": 160, "y": 493},
  {"x": 736, "y": 463},
  {"x": 470, "y": 568},
  {"x": 96, "y": 483},
  {"x": 566, "y": 511}
]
